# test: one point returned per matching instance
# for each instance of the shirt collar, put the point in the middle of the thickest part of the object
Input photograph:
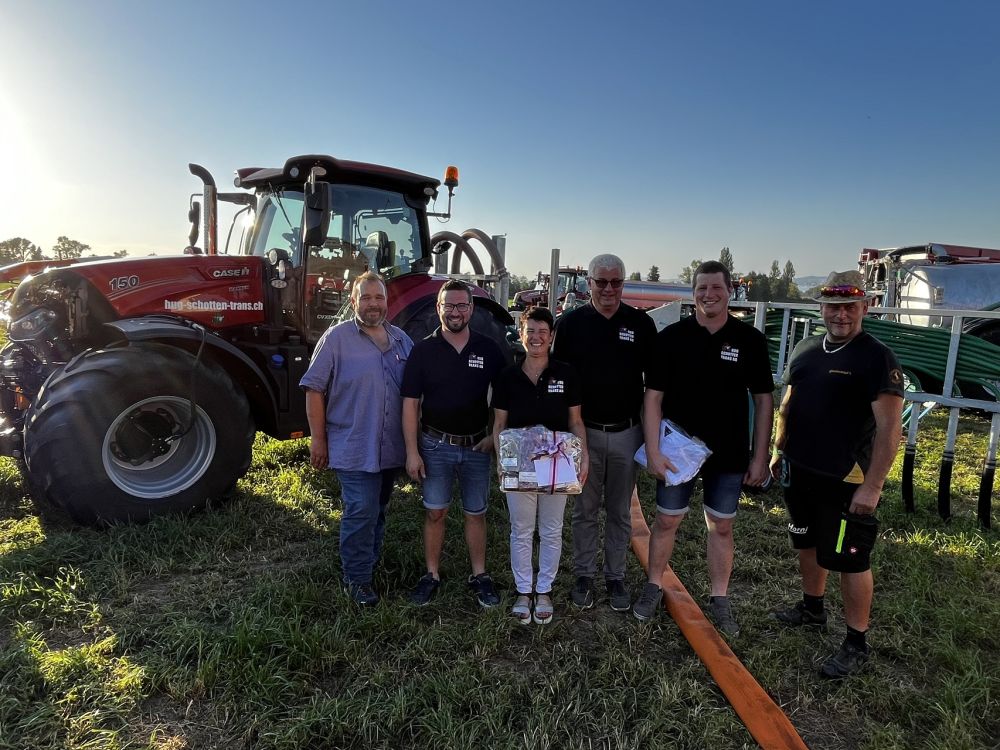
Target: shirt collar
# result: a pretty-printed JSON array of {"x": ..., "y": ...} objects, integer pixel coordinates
[{"x": 385, "y": 324}]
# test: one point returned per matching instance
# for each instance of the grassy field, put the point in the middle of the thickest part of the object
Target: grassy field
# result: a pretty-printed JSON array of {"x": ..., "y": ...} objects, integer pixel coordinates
[{"x": 228, "y": 630}]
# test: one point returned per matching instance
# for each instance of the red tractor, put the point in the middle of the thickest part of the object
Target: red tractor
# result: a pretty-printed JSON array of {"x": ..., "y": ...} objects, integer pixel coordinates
[{"x": 134, "y": 387}]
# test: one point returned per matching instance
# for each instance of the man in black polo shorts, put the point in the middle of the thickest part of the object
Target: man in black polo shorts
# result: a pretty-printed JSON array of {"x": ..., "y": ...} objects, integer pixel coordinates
[
  {"x": 446, "y": 430},
  {"x": 609, "y": 344},
  {"x": 837, "y": 434},
  {"x": 703, "y": 369}
]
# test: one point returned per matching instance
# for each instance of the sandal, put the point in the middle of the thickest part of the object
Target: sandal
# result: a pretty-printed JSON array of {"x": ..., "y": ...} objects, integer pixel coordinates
[
  {"x": 522, "y": 609},
  {"x": 544, "y": 610}
]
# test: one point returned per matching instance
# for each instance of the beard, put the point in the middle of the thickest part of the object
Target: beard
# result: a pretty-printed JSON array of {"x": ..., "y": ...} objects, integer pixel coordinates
[
  {"x": 371, "y": 318},
  {"x": 455, "y": 325}
]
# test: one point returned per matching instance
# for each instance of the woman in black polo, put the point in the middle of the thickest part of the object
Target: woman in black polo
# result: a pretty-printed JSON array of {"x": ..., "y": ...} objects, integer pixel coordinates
[{"x": 546, "y": 392}]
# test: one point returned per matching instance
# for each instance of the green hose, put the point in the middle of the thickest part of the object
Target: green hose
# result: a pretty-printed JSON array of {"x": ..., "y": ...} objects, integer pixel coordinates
[{"x": 922, "y": 352}]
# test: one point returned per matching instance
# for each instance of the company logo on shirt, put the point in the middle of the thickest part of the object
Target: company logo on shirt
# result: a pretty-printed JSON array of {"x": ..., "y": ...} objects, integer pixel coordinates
[
  {"x": 477, "y": 361},
  {"x": 626, "y": 334},
  {"x": 556, "y": 386},
  {"x": 730, "y": 353},
  {"x": 798, "y": 529}
]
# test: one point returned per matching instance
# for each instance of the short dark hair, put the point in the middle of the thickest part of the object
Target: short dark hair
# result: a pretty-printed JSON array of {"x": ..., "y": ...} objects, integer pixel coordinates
[
  {"x": 539, "y": 313},
  {"x": 454, "y": 285},
  {"x": 712, "y": 266}
]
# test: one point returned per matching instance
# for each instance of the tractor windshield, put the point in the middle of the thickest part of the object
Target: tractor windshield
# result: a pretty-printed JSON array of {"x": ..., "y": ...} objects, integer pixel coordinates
[{"x": 368, "y": 228}]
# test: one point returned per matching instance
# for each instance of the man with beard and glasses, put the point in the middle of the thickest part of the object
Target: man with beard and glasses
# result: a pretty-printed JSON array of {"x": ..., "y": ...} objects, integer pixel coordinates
[
  {"x": 837, "y": 435},
  {"x": 353, "y": 405},
  {"x": 447, "y": 433}
]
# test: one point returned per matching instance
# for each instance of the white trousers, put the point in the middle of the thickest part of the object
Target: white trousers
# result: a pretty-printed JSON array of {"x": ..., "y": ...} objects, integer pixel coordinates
[{"x": 525, "y": 508}]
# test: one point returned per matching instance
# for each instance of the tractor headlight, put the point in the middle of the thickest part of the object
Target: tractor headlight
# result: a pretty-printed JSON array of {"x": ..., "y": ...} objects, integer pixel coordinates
[{"x": 31, "y": 326}]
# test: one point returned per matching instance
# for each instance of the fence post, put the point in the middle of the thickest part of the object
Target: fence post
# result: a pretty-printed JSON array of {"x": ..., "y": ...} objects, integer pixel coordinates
[{"x": 989, "y": 469}]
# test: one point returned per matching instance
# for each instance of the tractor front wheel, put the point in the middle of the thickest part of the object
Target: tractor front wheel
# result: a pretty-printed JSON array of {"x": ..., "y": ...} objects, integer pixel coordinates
[{"x": 112, "y": 436}]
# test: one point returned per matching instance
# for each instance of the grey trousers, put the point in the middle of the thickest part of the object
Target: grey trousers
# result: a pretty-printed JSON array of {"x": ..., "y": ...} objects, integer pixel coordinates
[{"x": 609, "y": 485}]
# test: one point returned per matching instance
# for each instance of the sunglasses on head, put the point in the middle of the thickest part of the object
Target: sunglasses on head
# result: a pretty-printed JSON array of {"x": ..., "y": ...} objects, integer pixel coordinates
[
  {"x": 603, "y": 283},
  {"x": 846, "y": 291}
]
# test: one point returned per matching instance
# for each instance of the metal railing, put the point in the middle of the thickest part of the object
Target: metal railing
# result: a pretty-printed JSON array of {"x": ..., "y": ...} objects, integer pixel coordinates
[{"x": 921, "y": 402}]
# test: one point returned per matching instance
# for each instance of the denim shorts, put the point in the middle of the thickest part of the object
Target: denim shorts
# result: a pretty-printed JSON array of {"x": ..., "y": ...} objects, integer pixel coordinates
[
  {"x": 721, "y": 495},
  {"x": 442, "y": 463}
]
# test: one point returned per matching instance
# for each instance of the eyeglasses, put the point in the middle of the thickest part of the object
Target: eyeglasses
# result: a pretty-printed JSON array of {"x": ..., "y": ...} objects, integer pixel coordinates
[
  {"x": 603, "y": 283},
  {"x": 462, "y": 307},
  {"x": 846, "y": 291}
]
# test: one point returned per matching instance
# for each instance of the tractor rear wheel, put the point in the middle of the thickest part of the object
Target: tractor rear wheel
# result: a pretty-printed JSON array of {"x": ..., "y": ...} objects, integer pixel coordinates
[{"x": 112, "y": 437}]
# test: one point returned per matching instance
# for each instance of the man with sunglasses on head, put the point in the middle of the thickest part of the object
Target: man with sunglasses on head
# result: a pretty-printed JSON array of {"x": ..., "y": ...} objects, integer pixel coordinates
[
  {"x": 447, "y": 434},
  {"x": 609, "y": 344},
  {"x": 837, "y": 434}
]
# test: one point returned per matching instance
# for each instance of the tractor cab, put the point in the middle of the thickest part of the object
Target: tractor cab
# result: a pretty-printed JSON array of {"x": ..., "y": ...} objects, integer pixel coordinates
[
  {"x": 364, "y": 228},
  {"x": 319, "y": 222}
]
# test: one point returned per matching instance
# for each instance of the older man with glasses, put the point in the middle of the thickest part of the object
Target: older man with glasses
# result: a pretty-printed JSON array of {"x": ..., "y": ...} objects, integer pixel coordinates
[
  {"x": 609, "y": 344},
  {"x": 446, "y": 429}
]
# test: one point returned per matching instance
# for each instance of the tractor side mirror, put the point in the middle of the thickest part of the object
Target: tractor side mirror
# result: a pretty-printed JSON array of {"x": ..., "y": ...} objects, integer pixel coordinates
[{"x": 315, "y": 213}]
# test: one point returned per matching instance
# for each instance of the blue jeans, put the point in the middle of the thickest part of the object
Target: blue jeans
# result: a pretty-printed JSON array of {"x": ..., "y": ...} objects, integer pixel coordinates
[
  {"x": 442, "y": 462},
  {"x": 721, "y": 494},
  {"x": 362, "y": 526}
]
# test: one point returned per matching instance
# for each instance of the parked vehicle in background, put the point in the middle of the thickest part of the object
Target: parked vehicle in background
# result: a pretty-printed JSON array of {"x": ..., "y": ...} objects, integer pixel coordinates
[
  {"x": 936, "y": 276},
  {"x": 644, "y": 295}
]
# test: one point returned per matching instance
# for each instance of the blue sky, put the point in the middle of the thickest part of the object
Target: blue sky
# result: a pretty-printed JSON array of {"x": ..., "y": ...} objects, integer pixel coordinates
[{"x": 659, "y": 131}]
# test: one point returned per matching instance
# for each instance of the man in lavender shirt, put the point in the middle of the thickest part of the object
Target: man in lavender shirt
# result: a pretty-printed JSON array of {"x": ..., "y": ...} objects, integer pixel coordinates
[{"x": 354, "y": 410}]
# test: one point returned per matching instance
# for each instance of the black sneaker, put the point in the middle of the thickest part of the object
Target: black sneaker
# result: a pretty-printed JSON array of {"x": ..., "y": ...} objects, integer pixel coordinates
[
  {"x": 618, "y": 596},
  {"x": 722, "y": 613},
  {"x": 583, "y": 592},
  {"x": 648, "y": 603},
  {"x": 799, "y": 615},
  {"x": 848, "y": 660},
  {"x": 486, "y": 592},
  {"x": 425, "y": 589},
  {"x": 362, "y": 593}
]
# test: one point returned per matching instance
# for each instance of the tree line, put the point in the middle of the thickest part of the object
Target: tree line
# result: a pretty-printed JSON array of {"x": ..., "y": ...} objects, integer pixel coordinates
[
  {"x": 18, "y": 249},
  {"x": 777, "y": 285}
]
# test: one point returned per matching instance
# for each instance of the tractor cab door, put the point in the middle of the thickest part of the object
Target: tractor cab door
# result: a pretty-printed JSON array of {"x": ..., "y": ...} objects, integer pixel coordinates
[{"x": 368, "y": 228}]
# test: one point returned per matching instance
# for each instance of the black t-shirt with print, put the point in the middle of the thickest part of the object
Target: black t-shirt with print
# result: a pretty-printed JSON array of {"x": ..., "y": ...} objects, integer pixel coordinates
[
  {"x": 705, "y": 379},
  {"x": 546, "y": 402},
  {"x": 829, "y": 425},
  {"x": 611, "y": 355},
  {"x": 453, "y": 385}
]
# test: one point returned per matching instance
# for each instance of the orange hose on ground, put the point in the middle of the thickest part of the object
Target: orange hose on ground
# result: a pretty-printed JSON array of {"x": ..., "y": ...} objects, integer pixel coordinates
[{"x": 766, "y": 722}]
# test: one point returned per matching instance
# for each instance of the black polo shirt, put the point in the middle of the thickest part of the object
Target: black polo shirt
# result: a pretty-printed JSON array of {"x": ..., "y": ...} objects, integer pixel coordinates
[
  {"x": 453, "y": 384},
  {"x": 705, "y": 378},
  {"x": 546, "y": 402},
  {"x": 611, "y": 355},
  {"x": 829, "y": 423}
]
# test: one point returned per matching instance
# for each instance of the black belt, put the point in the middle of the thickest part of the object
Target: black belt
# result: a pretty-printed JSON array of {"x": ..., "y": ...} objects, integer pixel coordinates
[
  {"x": 463, "y": 441},
  {"x": 615, "y": 427}
]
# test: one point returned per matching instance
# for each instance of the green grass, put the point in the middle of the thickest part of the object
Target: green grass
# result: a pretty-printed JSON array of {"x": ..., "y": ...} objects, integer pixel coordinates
[{"x": 228, "y": 630}]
